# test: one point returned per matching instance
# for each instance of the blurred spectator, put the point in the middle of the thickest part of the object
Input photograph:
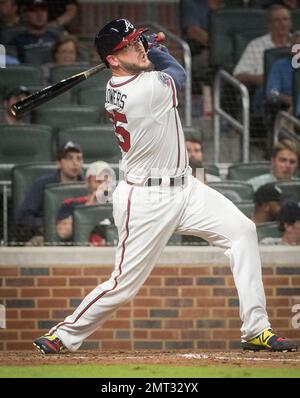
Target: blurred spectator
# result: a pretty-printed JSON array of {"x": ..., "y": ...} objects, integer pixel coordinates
[
  {"x": 291, "y": 4},
  {"x": 194, "y": 26},
  {"x": 195, "y": 153},
  {"x": 30, "y": 211},
  {"x": 60, "y": 12},
  {"x": 285, "y": 158},
  {"x": 280, "y": 79},
  {"x": 64, "y": 52},
  {"x": 35, "y": 14},
  {"x": 100, "y": 179},
  {"x": 250, "y": 68},
  {"x": 9, "y": 17},
  {"x": 13, "y": 96},
  {"x": 289, "y": 218},
  {"x": 267, "y": 200}
]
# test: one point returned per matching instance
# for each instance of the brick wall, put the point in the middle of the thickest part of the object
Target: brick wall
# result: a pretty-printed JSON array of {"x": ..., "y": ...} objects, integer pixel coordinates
[{"x": 184, "y": 306}]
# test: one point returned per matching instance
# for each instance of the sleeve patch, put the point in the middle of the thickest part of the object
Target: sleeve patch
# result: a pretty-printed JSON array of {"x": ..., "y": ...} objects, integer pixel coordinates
[{"x": 164, "y": 79}]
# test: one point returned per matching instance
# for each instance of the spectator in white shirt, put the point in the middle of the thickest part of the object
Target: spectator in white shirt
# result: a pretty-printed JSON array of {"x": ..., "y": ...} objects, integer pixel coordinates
[{"x": 250, "y": 68}]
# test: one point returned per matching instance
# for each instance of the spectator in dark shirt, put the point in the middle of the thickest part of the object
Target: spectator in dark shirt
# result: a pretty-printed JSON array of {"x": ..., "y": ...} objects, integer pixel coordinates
[
  {"x": 9, "y": 16},
  {"x": 291, "y": 4},
  {"x": 100, "y": 180},
  {"x": 62, "y": 12},
  {"x": 35, "y": 13},
  {"x": 267, "y": 201},
  {"x": 30, "y": 212},
  {"x": 10, "y": 21},
  {"x": 194, "y": 25}
]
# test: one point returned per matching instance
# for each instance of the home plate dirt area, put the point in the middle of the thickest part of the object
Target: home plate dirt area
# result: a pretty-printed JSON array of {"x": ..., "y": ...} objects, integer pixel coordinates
[{"x": 183, "y": 358}]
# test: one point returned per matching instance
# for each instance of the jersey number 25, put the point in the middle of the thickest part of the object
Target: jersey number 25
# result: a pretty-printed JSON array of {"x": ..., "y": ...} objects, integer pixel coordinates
[{"x": 123, "y": 136}]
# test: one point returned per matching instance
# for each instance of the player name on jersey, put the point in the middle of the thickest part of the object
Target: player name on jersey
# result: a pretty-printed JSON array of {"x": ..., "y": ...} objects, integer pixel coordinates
[{"x": 115, "y": 97}]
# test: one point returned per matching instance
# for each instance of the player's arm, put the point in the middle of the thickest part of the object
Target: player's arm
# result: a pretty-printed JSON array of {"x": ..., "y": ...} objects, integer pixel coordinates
[{"x": 164, "y": 62}]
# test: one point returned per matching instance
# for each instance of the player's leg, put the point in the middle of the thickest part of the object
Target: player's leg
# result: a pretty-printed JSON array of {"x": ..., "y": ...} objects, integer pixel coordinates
[
  {"x": 145, "y": 220},
  {"x": 210, "y": 215}
]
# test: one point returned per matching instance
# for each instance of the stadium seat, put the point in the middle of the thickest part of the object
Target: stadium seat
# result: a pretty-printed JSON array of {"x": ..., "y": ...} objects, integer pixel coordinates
[
  {"x": 97, "y": 142},
  {"x": 26, "y": 143},
  {"x": 94, "y": 97},
  {"x": 23, "y": 175},
  {"x": 245, "y": 171},
  {"x": 8, "y": 34},
  {"x": 54, "y": 196},
  {"x": 268, "y": 230},
  {"x": 236, "y": 191},
  {"x": 211, "y": 168},
  {"x": 246, "y": 207},
  {"x": 295, "y": 14},
  {"x": 19, "y": 75},
  {"x": 38, "y": 55},
  {"x": 290, "y": 189},
  {"x": 5, "y": 172},
  {"x": 226, "y": 23},
  {"x": 64, "y": 116},
  {"x": 86, "y": 218}
]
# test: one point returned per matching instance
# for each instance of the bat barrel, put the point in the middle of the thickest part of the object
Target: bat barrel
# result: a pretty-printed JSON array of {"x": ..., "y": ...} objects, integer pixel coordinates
[{"x": 47, "y": 93}]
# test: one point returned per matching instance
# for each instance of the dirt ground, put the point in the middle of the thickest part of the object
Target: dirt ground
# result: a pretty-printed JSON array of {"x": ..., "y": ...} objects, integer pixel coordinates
[{"x": 192, "y": 358}]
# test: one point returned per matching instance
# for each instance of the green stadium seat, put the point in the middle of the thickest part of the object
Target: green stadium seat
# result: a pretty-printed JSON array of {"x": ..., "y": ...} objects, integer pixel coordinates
[
  {"x": 64, "y": 116},
  {"x": 236, "y": 191},
  {"x": 23, "y": 175},
  {"x": 245, "y": 171},
  {"x": 8, "y": 34},
  {"x": 295, "y": 14},
  {"x": 290, "y": 189},
  {"x": 38, "y": 55},
  {"x": 25, "y": 143},
  {"x": 5, "y": 172},
  {"x": 224, "y": 24},
  {"x": 19, "y": 75},
  {"x": 94, "y": 97},
  {"x": 97, "y": 142},
  {"x": 211, "y": 168},
  {"x": 54, "y": 196},
  {"x": 246, "y": 207},
  {"x": 267, "y": 230},
  {"x": 86, "y": 218}
]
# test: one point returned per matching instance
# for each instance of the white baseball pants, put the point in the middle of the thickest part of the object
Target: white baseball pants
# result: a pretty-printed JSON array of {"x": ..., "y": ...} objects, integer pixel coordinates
[{"x": 146, "y": 217}]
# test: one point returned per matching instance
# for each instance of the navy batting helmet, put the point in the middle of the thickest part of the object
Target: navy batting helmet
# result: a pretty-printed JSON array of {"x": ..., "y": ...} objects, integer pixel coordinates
[{"x": 115, "y": 36}]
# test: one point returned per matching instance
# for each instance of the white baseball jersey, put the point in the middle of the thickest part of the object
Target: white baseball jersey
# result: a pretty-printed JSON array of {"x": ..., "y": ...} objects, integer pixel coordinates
[{"x": 147, "y": 125}]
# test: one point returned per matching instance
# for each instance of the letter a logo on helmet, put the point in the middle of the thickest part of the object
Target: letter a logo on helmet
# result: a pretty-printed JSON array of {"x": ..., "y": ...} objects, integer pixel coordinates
[{"x": 116, "y": 35}]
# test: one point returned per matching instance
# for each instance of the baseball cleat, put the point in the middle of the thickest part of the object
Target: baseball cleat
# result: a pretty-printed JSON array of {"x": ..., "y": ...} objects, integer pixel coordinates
[
  {"x": 49, "y": 344},
  {"x": 268, "y": 340}
]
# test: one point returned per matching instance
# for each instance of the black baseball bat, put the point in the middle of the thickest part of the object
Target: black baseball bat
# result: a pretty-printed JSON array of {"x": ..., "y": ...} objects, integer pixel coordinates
[{"x": 47, "y": 93}]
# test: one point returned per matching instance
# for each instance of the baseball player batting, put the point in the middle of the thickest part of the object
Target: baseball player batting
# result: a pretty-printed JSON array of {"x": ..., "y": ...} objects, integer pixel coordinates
[{"x": 159, "y": 196}]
